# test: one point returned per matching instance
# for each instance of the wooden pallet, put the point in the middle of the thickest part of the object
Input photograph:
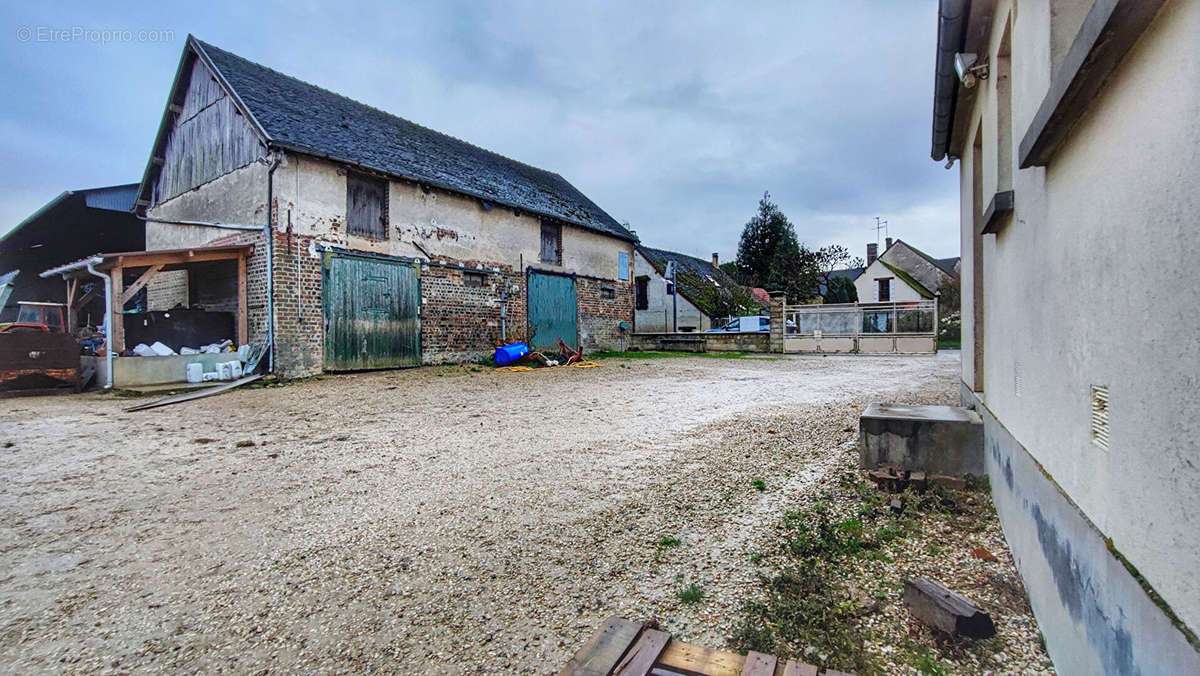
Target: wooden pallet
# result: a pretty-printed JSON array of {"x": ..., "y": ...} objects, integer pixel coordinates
[{"x": 623, "y": 647}]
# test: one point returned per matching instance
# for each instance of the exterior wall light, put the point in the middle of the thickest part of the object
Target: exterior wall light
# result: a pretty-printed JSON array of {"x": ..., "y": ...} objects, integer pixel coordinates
[{"x": 969, "y": 69}]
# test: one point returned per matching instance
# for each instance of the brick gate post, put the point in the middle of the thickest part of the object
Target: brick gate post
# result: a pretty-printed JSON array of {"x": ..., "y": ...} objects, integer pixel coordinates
[{"x": 778, "y": 321}]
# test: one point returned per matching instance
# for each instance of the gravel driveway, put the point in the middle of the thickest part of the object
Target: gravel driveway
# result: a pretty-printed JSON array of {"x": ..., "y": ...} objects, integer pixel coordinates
[{"x": 449, "y": 519}]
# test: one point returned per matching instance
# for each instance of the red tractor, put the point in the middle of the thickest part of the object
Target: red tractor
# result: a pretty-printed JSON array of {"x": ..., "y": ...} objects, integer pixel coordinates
[
  {"x": 37, "y": 355},
  {"x": 44, "y": 317}
]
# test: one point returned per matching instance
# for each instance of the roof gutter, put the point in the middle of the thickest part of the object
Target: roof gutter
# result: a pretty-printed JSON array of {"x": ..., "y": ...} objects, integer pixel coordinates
[{"x": 952, "y": 31}]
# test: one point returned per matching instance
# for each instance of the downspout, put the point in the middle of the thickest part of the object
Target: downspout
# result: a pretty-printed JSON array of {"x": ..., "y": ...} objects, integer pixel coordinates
[
  {"x": 108, "y": 321},
  {"x": 269, "y": 231}
]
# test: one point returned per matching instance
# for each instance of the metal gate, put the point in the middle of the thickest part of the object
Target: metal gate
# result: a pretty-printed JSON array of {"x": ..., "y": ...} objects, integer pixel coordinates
[
  {"x": 372, "y": 316},
  {"x": 552, "y": 311}
]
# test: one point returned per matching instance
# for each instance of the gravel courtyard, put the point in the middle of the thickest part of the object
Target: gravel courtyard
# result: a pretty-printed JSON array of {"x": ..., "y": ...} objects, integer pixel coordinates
[{"x": 443, "y": 520}]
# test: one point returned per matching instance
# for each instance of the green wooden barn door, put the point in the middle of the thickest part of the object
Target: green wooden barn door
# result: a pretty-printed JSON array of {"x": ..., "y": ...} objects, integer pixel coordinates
[
  {"x": 552, "y": 311},
  {"x": 371, "y": 313}
]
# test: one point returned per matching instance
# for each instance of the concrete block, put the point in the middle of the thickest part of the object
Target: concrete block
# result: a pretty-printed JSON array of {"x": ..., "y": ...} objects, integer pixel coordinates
[{"x": 937, "y": 439}]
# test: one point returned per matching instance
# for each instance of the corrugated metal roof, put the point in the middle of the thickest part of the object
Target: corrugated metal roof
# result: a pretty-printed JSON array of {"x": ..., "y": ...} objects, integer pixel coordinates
[{"x": 112, "y": 198}]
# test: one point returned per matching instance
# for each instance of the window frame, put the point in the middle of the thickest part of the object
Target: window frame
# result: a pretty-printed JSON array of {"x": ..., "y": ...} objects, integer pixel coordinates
[
  {"x": 641, "y": 293},
  {"x": 382, "y": 188},
  {"x": 555, "y": 231},
  {"x": 880, "y": 286}
]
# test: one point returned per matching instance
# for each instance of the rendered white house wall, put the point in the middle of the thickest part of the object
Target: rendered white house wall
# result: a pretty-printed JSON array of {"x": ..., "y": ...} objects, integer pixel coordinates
[{"x": 1077, "y": 290}]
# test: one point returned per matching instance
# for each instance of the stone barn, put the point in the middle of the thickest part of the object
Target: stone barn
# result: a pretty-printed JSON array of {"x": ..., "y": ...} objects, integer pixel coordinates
[{"x": 377, "y": 242}]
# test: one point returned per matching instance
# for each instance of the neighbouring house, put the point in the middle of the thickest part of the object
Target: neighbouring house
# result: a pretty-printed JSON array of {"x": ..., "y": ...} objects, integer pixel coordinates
[
  {"x": 389, "y": 244},
  {"x": 1076, "y": 144},
  {"x": 901, "y": 273},
  {"x": 70, "y": 226},
  {"x": 705, "y": 293}
]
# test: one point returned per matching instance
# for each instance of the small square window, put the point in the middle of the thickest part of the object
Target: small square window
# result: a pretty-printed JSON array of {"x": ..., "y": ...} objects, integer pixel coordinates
[
  {"x": 475, "y": 279},
  {"x": 608, "y": 293}
]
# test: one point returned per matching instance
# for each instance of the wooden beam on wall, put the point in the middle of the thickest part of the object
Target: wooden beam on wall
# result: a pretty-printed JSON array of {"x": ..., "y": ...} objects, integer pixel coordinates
[{"x": 142, "y": 280}]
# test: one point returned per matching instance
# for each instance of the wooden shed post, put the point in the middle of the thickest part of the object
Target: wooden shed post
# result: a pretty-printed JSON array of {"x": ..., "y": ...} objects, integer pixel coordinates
[
  {"x": 71, "y": 284},
  {"x": 116, "y": 332}
]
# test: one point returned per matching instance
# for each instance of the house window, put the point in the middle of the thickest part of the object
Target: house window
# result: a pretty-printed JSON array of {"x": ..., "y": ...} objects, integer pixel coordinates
[
  {"x": 608, "y": 293},
  {"x": 642, "y": 291},
  {"x": 622, "y": 266},
  {"x": 883, "y": 289},
  {"x": 473, "y": 279},
  {"x": 366, "y": 206},
  {"x": 551, "y": 243}
]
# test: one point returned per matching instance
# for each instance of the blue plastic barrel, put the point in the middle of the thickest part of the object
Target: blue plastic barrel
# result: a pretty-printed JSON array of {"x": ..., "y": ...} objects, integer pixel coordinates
[{"x": 510, "y": 353}]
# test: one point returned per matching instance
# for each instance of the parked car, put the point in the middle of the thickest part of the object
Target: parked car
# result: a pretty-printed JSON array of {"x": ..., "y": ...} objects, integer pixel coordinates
[{"x": 753, "y": 324}]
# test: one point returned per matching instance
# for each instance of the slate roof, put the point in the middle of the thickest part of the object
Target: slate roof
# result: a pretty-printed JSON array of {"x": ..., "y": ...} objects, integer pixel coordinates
[
  {"x": 947, "y": 265},
  {"x": 696, "y": 279},
  {"x": 305, "y": 118},
  {"x": 910, "y": 280},
  {"x": 940, "y": 264}
]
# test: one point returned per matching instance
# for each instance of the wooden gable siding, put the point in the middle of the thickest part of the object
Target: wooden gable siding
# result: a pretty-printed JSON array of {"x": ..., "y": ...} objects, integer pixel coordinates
[{"x": 208, "y": 139}]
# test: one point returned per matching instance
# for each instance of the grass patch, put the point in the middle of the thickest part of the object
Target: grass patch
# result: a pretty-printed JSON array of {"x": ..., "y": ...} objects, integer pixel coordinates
[
  {"x": 759, "y": 485},
  {"x": 691, "y": 595},
  {"x": 668, "y": 542},
  {"x": 949, "y": 344}
]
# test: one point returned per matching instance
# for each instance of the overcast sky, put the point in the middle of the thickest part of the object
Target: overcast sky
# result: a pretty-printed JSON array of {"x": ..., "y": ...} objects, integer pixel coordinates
[{"x": 673, "y": 116}]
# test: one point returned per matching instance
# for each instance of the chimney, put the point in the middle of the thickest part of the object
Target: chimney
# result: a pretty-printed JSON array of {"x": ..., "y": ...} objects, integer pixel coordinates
[
  {"x": 872, "y": 249},
  {"x": 715, "y": 263},
  {"x": 889, "y": 243}
]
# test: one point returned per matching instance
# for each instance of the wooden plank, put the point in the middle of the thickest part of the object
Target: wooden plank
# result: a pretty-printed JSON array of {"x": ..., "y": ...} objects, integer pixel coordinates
[
  {"x": 935, "y": 605},
  {"x": 142, "y": 280},
  {"x": 759, "y": 664},
  {"x": 604, "y": 650},
  {"x": 642, "y": 656},
  {"x": 87, "y": 297},
  {"x": 694, "y": 659},
  {"x": 243, "y": 334},
  {"x": 116, "y": 332},
  {"x": 794, "y": 668},
  {"x": 72, "y": 284}
]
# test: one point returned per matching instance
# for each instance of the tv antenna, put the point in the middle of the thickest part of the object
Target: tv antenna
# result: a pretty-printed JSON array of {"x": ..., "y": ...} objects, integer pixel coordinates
[{"x": 880, "y": 225}]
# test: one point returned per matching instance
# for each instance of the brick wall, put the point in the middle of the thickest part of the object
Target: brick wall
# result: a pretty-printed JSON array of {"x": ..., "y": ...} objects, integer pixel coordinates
[
  {"x": 462, "y": 322},
  {"x": 299, "y": 314},
  {"x": 600, "y": 316},
  {"x": 167, "y": 290},
  {"x": 459, "y": 321}
]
